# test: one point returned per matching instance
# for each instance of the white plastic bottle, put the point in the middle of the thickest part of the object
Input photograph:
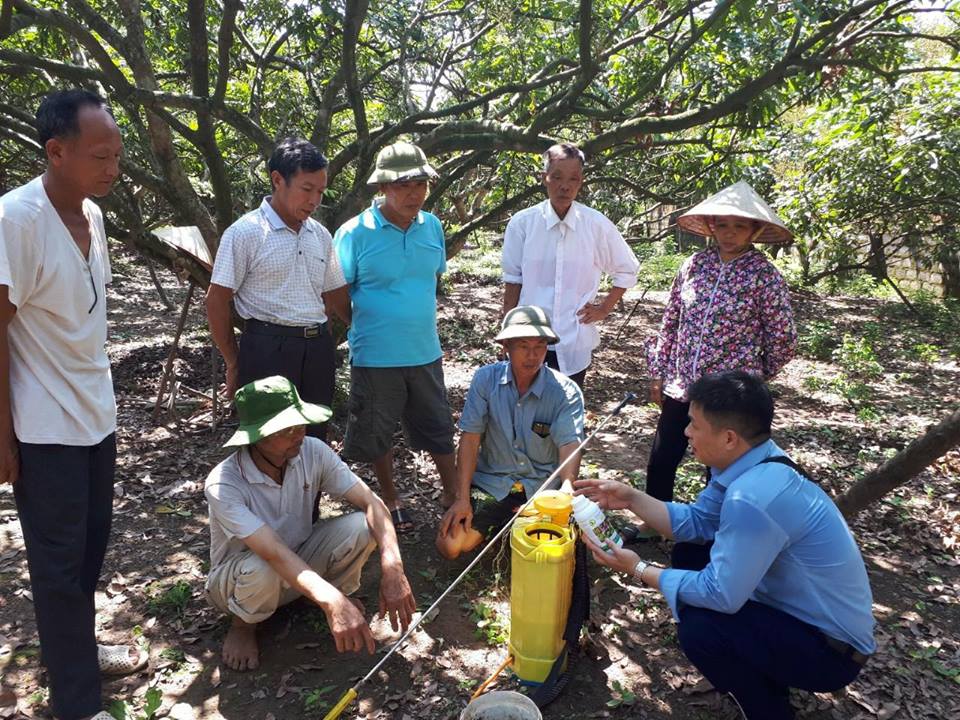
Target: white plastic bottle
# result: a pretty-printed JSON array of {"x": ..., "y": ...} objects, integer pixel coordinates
[{"x": 594, "y": 523}]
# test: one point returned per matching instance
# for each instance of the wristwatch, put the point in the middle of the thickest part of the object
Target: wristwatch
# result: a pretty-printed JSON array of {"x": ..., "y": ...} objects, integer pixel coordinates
[{"x": 638, "y": 570}]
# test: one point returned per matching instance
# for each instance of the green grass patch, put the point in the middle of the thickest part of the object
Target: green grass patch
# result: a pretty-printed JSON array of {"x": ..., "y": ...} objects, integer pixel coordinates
[
  {"x": 317, "y": 701},
  {"x": 152, "y": 700},
  {"x": 479, "y": 263},
  {"x": 490, "y": 626},
  {"x": 169, "y": 602},
  {"x": 658, "y": 271},
  {"x": 818, "y": 339},
  {"x": 690, "y": 481}
]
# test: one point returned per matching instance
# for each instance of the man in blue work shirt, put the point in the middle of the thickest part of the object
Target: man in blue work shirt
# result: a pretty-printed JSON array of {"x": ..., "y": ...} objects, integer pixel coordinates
[
  {"x": 784, "y": 600},
  {"x": 521, "y": 420},
  {"x": 391, "y": 255}
]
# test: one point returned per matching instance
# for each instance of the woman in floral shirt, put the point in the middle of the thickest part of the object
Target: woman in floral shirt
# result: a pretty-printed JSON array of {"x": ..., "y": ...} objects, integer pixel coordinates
[{"x": 729, "y": 309}]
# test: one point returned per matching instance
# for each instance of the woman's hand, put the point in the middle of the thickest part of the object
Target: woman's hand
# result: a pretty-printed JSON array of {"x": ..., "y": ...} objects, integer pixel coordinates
[{"x": 656, "y": 391}]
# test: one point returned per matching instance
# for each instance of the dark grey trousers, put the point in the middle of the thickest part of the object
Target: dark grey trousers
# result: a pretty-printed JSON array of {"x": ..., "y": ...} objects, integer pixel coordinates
[
  {"x": 64, "y": 498},
  {"x": 309, "y": 363}
]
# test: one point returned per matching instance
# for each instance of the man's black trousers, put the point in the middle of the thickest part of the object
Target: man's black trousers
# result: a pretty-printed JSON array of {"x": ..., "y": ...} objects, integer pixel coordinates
[
  {"x": 308, "y": 362},
  {"x": 64, "y": 498},
  {"x": 757, "y": 653}
]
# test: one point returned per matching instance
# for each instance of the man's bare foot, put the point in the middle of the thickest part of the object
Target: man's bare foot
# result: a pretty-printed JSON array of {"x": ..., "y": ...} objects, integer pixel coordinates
[{"x": 240, "y": 648}]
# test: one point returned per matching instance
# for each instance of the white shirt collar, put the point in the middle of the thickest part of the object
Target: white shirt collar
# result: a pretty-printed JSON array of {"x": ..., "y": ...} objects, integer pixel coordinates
[
  {"x": 551, "y": 218},
  {"x": 276, "y": 222}
]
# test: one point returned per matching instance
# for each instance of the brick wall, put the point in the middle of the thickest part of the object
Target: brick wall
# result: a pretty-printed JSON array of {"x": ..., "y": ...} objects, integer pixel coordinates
[{"x": 911, "y": 276}]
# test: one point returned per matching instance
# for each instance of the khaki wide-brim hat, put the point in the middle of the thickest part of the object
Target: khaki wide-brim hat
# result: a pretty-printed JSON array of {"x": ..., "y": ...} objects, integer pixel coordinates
[
  {"x": 740, "y": 200},
  {"x": 527, "y": 321},
  {"x": 401, "y": 161},
  {"x": 270, "y": 405}
]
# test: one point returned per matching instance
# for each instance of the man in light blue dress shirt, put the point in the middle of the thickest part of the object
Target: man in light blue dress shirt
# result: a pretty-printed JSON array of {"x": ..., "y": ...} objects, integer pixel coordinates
[
  {"x": 521, "y": 420},
  {"x": 784, "y": 599}
]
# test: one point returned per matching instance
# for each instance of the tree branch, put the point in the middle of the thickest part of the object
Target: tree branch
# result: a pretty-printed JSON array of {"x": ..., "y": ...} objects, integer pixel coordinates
[
  {"x": 74, "y": 73},
  {"x": 224, "y": 44},
  {"x": 207, "y": 137},
  {"x": 6, "y": 18},
  {"x": 353, "y": 19},
  {"x": 456, "y": 241},
  {"x": 937, "y": 441},
  {"x": 65, "y": 23}
]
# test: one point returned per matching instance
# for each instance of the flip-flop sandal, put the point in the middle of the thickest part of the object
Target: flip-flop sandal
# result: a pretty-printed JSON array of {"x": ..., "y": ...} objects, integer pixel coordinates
[
  {"x": 117, "y": 659},
  {"x": 402, "y": 522}
]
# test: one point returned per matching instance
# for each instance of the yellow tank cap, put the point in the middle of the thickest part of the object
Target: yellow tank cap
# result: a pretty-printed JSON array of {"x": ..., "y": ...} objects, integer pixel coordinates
[{"x": 554, "y": 504}]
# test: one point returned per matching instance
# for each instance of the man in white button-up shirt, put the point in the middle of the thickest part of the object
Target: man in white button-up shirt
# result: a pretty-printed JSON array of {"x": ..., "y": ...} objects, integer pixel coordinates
[
  {"x": 278, "y": 266},
  {"x": 554, "y": 254}
]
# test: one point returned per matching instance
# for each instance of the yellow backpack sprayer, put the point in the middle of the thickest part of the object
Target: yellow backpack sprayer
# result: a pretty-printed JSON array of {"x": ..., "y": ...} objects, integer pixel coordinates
[
  {"x": 541, "y": 579},
  {"x": 546, "y": 550}
]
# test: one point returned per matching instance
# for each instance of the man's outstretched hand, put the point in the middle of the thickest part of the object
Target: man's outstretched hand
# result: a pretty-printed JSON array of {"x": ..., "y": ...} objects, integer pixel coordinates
[
  {"x": 348, "y": 626},
  {"x": 396, "y": 598},
  {"x": 609, "y": 494}
]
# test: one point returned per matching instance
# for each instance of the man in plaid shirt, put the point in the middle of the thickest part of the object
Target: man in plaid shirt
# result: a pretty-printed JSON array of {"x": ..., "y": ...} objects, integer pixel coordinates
[{"x": 278, "y": 266}]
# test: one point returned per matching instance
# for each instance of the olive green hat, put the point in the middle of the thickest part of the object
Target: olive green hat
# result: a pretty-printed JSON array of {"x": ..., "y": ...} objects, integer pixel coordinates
[
  {"x": 401, "y": 161},
  {"x": 527, "y": 321},
  {"x": 270, "y": 405}
]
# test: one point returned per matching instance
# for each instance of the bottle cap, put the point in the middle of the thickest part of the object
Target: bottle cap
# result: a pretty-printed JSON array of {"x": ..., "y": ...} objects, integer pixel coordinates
[{"x": 555, "y": 504}]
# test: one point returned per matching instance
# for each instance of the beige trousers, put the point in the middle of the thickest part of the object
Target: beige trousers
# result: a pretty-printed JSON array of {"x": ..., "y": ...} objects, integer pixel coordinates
[{"x": 246, "y": 586}]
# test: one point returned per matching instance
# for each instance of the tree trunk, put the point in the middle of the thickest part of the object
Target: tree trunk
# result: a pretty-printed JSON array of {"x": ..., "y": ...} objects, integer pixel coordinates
[
  {"x": 902, "y": 467},
  {"x": 877, "y": 262},
  {"x": 949, "y": 258}
]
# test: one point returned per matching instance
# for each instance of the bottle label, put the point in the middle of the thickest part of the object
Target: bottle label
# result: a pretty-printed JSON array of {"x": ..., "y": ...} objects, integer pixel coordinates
[{"x": 605, "y": 533}]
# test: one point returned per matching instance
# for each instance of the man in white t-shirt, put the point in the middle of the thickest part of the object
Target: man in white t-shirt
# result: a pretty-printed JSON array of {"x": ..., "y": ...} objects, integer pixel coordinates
[
  {"x": 278, "y": 266},
  {"x": 554, "y": 254},
  {"x": 265, "y": 549},
  {"x": 57, "y": 409}
]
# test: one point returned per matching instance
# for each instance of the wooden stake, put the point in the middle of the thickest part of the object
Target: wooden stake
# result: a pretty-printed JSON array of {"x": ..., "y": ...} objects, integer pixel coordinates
[{"x": 168, "y": 367}]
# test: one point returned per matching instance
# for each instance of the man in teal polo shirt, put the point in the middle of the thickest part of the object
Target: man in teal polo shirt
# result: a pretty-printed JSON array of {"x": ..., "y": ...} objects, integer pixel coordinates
[{"x": 392, "y": 254}]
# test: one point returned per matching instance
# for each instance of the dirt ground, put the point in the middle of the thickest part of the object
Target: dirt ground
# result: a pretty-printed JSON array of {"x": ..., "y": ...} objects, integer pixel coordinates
[{"x": 152, "y": 583}]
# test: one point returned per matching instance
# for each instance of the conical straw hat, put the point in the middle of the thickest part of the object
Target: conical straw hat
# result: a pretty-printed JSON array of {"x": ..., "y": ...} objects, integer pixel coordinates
[{"x": 741, "y": 200}]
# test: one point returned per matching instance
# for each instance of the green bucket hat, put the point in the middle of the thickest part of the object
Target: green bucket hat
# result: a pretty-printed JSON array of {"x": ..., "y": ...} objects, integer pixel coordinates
[
  {"x": 401, "y": 161},
  {"x": 270, "y": 405},
  {"x": 527, "y": 321}
]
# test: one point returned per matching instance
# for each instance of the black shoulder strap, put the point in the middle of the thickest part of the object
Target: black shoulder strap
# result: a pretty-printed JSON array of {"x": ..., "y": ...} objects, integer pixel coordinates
[{"x": 784, "y": 460}]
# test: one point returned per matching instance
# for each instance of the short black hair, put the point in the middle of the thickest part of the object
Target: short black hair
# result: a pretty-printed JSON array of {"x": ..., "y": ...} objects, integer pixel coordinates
[
  {"x": 737, "y": 400},
  {"x": 294, "y": 154},
  {"x": 58, "y": 111}
]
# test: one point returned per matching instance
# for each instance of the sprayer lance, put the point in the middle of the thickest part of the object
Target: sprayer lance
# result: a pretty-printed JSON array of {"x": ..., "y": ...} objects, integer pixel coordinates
[{"x": 351, "y": 694}]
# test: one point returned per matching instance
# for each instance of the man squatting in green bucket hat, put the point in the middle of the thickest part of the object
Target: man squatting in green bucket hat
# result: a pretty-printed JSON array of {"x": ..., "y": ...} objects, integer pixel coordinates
[
  {"x": 521, "y": 419},
  {"x": 265, "y": 549}
]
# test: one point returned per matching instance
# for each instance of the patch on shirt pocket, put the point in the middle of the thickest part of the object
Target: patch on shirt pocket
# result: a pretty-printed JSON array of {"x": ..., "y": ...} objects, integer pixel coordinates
[{"x": 541, "y": 450}]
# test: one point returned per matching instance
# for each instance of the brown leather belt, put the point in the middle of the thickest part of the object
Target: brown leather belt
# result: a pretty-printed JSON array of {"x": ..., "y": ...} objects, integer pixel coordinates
[{"x": 846, "y": 650}]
